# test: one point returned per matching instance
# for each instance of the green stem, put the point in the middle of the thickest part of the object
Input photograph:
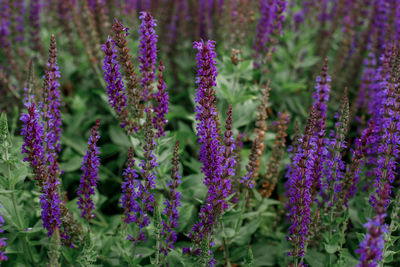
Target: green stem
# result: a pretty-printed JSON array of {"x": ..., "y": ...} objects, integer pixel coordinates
[{"x": 17, "y": 214}]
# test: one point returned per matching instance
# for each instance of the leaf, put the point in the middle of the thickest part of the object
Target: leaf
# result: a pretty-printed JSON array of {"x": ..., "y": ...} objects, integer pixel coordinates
[
  {"x": 118, "y": 136},
  {"x": 186, "y": 214},
  {"x": 315, "y": 259}
]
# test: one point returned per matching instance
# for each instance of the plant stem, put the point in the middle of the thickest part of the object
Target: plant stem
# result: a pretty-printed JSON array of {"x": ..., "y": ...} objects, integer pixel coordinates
[{"x": 17, "y": 214}]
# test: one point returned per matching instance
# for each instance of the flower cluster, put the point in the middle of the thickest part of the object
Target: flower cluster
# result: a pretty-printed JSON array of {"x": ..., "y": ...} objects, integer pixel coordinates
[
  {"x": 161, "y": 98},
  {"x": 3, "y": 243},
  {"x": 171, "y": 204},
  {"x": 147, "y": 52},
  {"x": 50, "y": 107},
  {"x": 129, "y": 186},
  {"x": 90, "y": 168},
  {"x": 299, "y": 189}
]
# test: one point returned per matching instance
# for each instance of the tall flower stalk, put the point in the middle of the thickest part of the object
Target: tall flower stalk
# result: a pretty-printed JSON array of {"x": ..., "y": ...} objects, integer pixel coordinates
[
  {"x": 299, "y": 191},
  {"x": 172, "y": 203},
  {"x": 90, "y": 168},
  {"x": 147, "y": 52}
]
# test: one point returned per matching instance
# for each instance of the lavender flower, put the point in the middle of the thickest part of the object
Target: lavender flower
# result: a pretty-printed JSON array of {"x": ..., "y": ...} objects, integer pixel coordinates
[
  {"x": 212, "y": 152},
  {"x": 51, "y": 202},
  {"x": 143, "y": 202},
  {"x": 33, "y": 142},
  {"x": 371, "y": 247},
  {"x": 299, "y": 192},
  {"x": 270, "y": 22},
  {"x": 50, "y": 107},
  {"x": 171, "y": 204},
  {"x": 20, "y": 20},
  {"x": 3, "y": 243},
  {"x": 34, "y": 21},
  {"x": 115, "y": 89},
  {"x": 335, "y": 166},
  {"x": 90, "y": 167},
  {"x": 161, "y": 109},
  {"x": 112, "y": 75},
  {"x": 4, "y": 24},
  {"x": 321, "y": 97},
  {"x": 351, "y": 177},
  {"x": 128, "y": 201},
  {"x": 147, "y": 52}
]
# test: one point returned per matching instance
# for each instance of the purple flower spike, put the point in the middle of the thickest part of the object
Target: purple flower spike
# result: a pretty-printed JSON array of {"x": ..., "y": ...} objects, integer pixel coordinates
[
  {"x": 3, "y": 243},
  {"x": 138, "y": 200},
  {"x": 5, "y": 24},
  {"x": 51, "y": 202},
  {"x": 50, "y": 107},
  {"x": 213, "y": 155},
  {"x": 321, "y": 97},
  {"x": 129, "y": 186},
  {"x": 90, "y": 167},
  {"x": 147, "y": 52},
  {"x": 371, "y": 247},
  {"x": 20, "y": 20},
  {"x": 112, "y": 75},
  {"x": 299, "y": 190},
  {"x": 171, "y": 204},
  {"x": 161, "y": 109},
  {"x": 33, "y": 142}
]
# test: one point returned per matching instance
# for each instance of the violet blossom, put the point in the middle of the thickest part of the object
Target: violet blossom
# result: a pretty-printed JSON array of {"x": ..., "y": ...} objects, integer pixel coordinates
[
  {"x": 147, "y": 52},
  {"x": 90, "y": 168}
]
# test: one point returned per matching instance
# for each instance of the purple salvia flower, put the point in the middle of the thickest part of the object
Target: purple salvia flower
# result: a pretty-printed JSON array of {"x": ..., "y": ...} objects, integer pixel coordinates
[
  {"x": 388, "y": 149},
  {"x": 50, "y": 107},
  {"x": 3, "y": 243},
  {"x": 299, "y": 190},
  {"x": 33, "y": 133},
  {"x": 112, "y": 75},
  {"x": 4, "y": 24},
  {"x": 212, "y": 154},
  {"x": 161, "y": 97},
  {"x": 366, "y": 81},
  {"x": 144, "y": 197},
  {"x": 51, "y": 202},
  {"x": 334, "y": 164},
  {"x": 270, "y": 23},
  {"x": 171, "y": 204},
  {"x": 90, "y": 168},
  {"x": 129, "y": 196},
  {"x": 263, "y": 28},
  {"x": 34, "y": 22},
  {"x": 115, "y": 85},
  {"x": 20, "y": 20},
  {"x": 371, "y": 247},
  {"x": 321, "y": 97},
  {"x": 147, "y": 52},
  {"x": 351, "y": 178}
]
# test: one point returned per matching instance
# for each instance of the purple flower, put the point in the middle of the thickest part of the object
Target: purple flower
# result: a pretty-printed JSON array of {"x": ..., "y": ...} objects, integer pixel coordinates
[
  {"x": 171, "y": 204},
  {"x": 5, "y": 24},
  {"x": 51, "y": 202},
  {"x": 3, "y": 243},
  {"x": 20, "y": 20},
  {"x": 34, "y": 22},
  {"x": 129, "y": 186},
  {"x": 371, "y": 247},
  {"x": 90, "y": 168},
  {"x": 212, "y": 153},
  {"x": 147, "y": 52},
  {"x": 112, "y": 75},
  {"x": 50, "y": 107},
  {"x": 33, "y": 132},
  {"x": 299, "y": 190},
  {"x": 138, "y": 197},
  {"x": 269, "y": 23},
  {"x": 161, "y": 98}
]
